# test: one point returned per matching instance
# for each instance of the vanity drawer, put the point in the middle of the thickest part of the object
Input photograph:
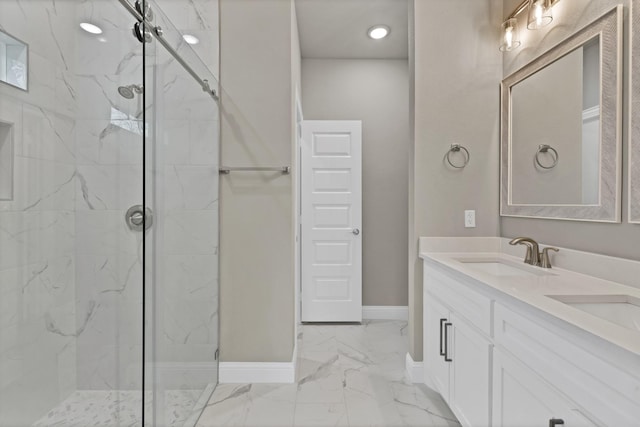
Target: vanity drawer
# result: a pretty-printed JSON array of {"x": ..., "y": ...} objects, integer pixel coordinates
[
  {"x": 460, "y": 298},
  {"x": 606, "y": 394}
]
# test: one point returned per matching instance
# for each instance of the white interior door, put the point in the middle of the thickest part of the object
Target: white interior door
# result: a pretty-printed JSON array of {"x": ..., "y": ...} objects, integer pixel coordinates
[{"x": 331, "y": 221}]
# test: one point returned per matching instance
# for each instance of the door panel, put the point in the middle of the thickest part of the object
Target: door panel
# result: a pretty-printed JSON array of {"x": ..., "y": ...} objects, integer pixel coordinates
[
  {"x": 470, "y": 387},
  {"x": 331, "y": 221},
  {"x": 181, "y": 275},
  {"x": 522, "y": 399}
]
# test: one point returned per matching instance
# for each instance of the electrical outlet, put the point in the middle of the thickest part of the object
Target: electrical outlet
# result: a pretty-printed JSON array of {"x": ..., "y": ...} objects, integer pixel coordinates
[{"x": 470, "y": 219}]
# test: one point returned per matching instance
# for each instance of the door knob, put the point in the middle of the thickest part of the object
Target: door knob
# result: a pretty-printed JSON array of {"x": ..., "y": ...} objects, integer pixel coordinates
[
  {"x": 136, "y": 216},
  {"x": 356, "y": 231}
]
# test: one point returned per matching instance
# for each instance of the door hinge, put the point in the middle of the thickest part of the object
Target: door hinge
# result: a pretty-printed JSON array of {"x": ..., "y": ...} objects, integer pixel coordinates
[{"x": 217, "y": 354}]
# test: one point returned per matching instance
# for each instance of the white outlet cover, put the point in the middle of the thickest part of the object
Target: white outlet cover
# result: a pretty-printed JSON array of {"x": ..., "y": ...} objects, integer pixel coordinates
[{"x": 470, "y": 219}]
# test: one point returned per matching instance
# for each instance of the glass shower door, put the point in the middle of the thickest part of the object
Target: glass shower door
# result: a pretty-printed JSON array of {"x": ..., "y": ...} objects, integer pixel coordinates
[
  {"x": 108, "y": 215},
  {"x": 71, "y": 259},
  {"x": 181, "y": 278}
]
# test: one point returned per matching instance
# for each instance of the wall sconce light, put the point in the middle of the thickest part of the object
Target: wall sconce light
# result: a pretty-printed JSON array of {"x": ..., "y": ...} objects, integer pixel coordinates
[
  {"x": 540, "y": 15},
  {"x": 510, "y": 35}
]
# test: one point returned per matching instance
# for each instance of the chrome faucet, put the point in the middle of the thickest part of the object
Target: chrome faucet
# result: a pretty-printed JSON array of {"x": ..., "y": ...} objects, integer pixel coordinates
[{"x": 534, "y": 256}]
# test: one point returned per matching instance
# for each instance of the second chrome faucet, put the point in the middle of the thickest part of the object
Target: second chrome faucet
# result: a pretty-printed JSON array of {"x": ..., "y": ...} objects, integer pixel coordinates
[{"x": 534, "y": 256}]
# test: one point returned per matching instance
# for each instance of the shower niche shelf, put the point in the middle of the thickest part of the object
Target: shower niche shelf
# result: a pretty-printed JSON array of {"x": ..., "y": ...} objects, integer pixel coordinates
[
  {"x": 6, "y": 161},
  {"x": 14, "y": 61}
]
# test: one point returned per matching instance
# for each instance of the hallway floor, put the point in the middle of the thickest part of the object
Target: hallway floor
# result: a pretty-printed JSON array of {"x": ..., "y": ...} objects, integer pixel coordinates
[{"x": 348, "y": 375}]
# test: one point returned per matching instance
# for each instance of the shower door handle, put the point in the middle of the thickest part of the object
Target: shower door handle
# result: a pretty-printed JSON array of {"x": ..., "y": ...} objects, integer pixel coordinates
[{"x": 136, "y": 216}]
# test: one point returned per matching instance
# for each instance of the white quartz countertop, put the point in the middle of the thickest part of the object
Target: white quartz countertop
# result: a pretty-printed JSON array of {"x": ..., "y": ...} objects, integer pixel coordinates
[{"x": 534, "y": 290}]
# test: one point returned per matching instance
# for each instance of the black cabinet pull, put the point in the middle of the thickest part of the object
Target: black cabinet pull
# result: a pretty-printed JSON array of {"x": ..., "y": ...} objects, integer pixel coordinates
[
  {"x": 446, "y": 343},
  {"x": 555, "y": 422},
  {"x": 441, "y": 326}
]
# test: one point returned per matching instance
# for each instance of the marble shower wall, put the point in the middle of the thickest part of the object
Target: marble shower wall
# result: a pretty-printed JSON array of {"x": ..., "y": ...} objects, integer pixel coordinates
[
  {"x": 109, "y": 143},
  {"x": 37, "y": 227}
]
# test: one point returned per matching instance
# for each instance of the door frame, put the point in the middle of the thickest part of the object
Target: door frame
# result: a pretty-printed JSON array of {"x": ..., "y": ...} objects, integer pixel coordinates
[{"x": 298, "y": 215}]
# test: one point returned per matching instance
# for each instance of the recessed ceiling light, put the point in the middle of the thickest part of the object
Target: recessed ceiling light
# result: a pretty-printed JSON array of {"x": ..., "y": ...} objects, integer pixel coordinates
[
  {"x": 191, "y": 39},
  {"x": 90, "y": 28},
  {"x": 378, "y": 32}
]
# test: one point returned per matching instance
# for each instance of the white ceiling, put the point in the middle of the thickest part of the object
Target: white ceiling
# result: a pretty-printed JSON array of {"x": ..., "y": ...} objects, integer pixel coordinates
[{"x": 338, "y": 28}]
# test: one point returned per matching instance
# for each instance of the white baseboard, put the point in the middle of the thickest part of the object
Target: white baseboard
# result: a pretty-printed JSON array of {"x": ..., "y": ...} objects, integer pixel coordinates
[
  {"x": 259, "y": 372},
  {"x": 385, "y": 312},
  {"x": 415, "y": 370}
]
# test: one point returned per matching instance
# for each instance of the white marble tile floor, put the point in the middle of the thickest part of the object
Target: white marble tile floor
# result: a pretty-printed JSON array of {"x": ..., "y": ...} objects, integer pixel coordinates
[{"x": 348, "y": 375}]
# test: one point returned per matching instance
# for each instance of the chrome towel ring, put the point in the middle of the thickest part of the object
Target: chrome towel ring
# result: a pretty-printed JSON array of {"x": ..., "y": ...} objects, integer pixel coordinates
[
  {"x": 544, "y": 148},
  {"x": 456, "y": 148}
]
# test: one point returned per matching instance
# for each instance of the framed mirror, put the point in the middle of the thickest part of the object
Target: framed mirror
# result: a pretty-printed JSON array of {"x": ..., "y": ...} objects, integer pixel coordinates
[
  {"x": 14, "y": 61},
  {"x": 561, "y": 129},
  {"x": 634, "y": 130}
]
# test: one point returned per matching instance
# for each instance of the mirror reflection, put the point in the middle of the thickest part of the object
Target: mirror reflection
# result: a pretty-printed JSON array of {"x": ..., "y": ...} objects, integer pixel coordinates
[
  {"x": 13, "y": 61},
  {"x": 555, "y": 136}
]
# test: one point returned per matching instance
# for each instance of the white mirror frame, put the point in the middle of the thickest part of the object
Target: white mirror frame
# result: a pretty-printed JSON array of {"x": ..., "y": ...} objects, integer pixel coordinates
[
  {"x": 609, "y": 28},
  {"x": 634, "y": 121}
]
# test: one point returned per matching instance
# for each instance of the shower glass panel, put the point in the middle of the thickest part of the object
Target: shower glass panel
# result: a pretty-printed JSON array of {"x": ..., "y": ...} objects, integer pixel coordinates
[
  {"x": 182, "y": 190},
  {"x": 70, "y": 269},
  {"x": 101, "y": 322}
]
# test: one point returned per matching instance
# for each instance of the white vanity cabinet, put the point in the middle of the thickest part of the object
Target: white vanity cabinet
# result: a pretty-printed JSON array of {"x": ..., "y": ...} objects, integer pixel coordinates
[
  {"x": 522, "y": 398},
  {"x": 500, "y": 362},
  {"x": 592, "y": 384},
  {"x": 458, "y": 356}
]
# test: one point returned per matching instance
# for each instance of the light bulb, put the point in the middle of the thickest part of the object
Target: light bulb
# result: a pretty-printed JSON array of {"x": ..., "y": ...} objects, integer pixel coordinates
[
  {"x": 538, "y": 15},
  {"x": 508, "y": 37}
]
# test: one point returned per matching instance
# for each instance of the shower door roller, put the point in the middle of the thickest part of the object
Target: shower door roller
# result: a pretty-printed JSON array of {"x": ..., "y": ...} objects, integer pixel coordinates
[
  {"x": 144, "y": 9},
  {"x": 136, "y": 216}
]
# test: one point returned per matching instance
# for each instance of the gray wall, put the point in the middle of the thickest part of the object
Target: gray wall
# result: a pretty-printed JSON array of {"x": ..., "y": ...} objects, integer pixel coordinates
[
  {"x": 256, "y": 209},
  {"x": 457, "y": 69},
  {"x": 376, "y": 92},
  {"x": 619, "y": 240}
]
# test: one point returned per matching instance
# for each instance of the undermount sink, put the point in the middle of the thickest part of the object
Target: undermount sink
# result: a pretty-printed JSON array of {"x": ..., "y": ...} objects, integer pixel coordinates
[
  {"x": 501, "y": 268},
  {"x": 623, "y": 310}
]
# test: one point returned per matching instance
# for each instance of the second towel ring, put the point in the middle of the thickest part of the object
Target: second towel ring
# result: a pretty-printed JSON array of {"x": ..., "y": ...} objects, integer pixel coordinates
[
  {"x": 456, "y": 148},
  {"x": 545, "y": 148}
]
